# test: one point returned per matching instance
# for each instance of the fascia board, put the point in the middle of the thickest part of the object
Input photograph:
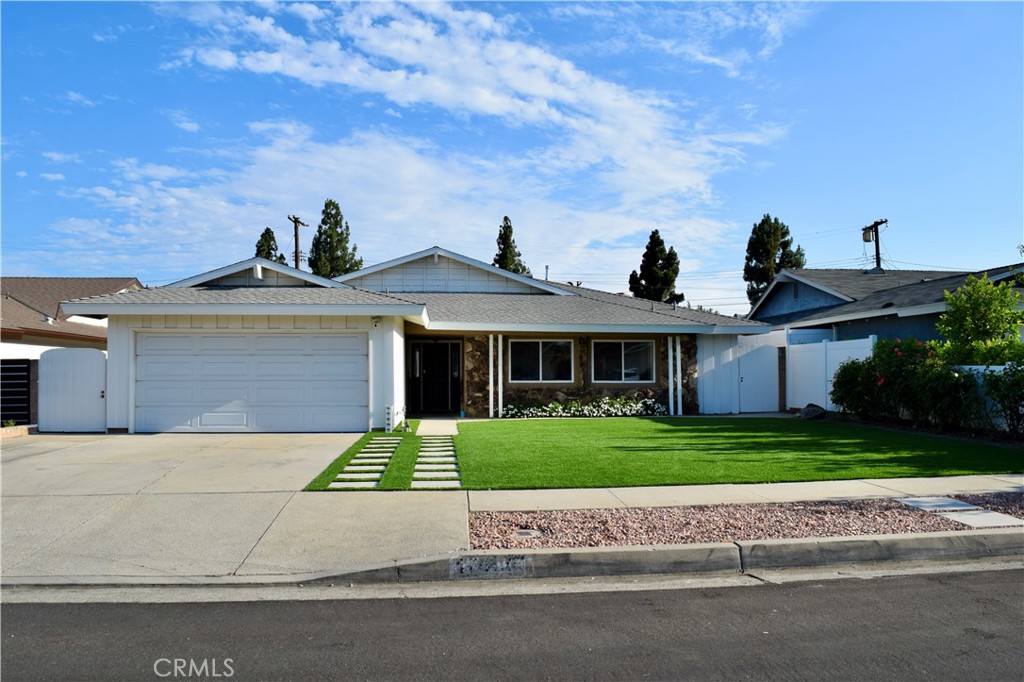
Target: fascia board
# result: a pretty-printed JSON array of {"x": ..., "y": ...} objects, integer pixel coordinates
[
  {"x": 451, "y": 255},
  {"x": 262, "y": 262},
  {"x": 499, "y": 327},
  {"x": 910, "y": 311},
  {"x": 109, "y": 309}
]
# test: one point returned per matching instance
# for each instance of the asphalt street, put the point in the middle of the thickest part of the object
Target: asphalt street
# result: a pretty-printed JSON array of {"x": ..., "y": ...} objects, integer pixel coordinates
[{"x": 964, "y": 626}]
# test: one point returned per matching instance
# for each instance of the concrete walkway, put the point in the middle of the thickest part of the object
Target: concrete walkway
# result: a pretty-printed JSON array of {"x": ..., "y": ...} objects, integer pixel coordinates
[{"x": 438, "y": 426}]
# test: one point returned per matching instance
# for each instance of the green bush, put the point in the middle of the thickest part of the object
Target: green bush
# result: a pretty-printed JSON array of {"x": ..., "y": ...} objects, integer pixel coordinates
[
  {"x": 907, "y": 379},
  {"x": 1006, "y": 391}
]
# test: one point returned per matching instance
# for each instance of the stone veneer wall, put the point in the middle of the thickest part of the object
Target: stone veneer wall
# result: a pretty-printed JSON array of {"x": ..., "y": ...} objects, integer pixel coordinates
[{"x": 475, "y": 373}]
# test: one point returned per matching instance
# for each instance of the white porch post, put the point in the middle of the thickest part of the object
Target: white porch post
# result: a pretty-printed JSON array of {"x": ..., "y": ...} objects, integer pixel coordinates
[
  {"x": 501, "y": 377},
  {"x": 671, "y": 377},
  {"x": 679, "y": 374},
  {"x": 490, "y": 376}
]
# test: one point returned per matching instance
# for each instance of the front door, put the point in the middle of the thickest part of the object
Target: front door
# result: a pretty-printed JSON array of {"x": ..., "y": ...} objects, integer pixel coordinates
[{"x": 435, "y": 377}]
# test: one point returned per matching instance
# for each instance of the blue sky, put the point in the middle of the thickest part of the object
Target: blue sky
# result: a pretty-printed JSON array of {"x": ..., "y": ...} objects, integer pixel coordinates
[{"x": 158, "y": 140}]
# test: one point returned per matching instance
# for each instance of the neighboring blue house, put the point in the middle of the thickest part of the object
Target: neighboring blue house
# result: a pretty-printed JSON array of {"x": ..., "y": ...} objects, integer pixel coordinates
[{"x": 854, "y": 304}]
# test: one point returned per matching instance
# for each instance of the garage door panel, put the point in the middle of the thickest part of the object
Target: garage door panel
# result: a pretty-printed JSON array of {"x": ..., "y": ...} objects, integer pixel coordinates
[
  {"x": 251, "y": 382},
  {"x": 212, "y": 420},
  {"x": 166, "y": 368}
]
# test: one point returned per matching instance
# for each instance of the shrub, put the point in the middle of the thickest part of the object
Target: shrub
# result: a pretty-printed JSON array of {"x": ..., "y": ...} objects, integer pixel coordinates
[
  {"x": 855, "y": 388},
  {"x": 603, "y": 407},
  {"x": 1006, "y": 390}
]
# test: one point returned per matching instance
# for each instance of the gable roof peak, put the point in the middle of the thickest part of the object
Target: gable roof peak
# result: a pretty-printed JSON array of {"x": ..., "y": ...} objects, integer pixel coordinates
[{"x": 257, "y": 263}]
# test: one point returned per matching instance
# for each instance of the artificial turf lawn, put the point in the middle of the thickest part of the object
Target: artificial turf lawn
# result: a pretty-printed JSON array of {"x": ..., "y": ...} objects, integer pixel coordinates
[
  {"x": 639, "y": 451},
  {"x": 397, "y": 476}
]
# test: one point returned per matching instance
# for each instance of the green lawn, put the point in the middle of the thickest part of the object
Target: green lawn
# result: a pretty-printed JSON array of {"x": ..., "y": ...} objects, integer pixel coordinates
[
  {"x": 636, "y": 451},
  {"x": 397, "y": 476}
]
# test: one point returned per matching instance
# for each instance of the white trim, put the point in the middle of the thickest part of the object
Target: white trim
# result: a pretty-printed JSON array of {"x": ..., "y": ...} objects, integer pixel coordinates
[
  {"x": 622, "y": 343},
  {"x": 679, "y": 374},
  {"x": 501, "y": 378},
  {"x": 252, "y": 263},
  {"x": 599, "y": 328},
  {"x": 414, "y": 312},
  {"x": 910, "y": 311},
  {"x": 540, "y": 353},
  {"x": 436, "y": 251},
  {"x": 490, "y": 376},
  {"x": 669, "y": 342}
]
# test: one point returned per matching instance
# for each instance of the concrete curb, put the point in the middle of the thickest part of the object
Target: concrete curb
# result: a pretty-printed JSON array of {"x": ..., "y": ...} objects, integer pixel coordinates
[{"x": 725, "y": 557}]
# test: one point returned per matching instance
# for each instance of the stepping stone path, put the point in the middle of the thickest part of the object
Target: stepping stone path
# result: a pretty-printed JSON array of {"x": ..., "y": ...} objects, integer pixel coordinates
[
  {"x": 367, "y": 467},
  {"x": 436, "y": 465}
]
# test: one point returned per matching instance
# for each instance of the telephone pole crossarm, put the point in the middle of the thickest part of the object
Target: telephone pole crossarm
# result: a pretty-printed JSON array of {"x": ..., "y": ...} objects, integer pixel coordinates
[{"x": 297, "y": 222}]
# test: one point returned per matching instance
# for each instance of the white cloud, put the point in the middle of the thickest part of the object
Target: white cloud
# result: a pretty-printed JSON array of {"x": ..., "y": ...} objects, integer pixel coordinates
[
  {"x": 78, "y": 98},
  {"x": 181, "y": 119},
  {"x": 61, "y": 157},
  {"x": 52, "y": 177},
  {"x": 21, "y": 174}
]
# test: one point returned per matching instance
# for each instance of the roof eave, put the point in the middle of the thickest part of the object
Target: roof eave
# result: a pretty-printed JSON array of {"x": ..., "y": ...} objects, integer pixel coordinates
[
  {"x": 556, "y": 327},
  {"x": 108, "y": 309}
]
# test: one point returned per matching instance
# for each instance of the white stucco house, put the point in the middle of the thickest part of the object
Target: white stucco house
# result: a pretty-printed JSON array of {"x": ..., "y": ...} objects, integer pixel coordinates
[{"x": 260, "y": 346}]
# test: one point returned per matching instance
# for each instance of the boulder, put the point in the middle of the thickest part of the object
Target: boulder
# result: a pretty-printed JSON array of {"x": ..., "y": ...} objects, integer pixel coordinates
[{"x": 812, "y": 411}]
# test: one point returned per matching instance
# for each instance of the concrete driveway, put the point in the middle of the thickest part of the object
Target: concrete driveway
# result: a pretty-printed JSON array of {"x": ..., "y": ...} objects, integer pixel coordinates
[{"x": 198, "y": 505}]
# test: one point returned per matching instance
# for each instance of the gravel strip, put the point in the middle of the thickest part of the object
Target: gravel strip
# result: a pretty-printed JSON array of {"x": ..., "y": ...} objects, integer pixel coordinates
[
  {"x": 1011, "y": 504},
  {"x": 707, "y": 523}
]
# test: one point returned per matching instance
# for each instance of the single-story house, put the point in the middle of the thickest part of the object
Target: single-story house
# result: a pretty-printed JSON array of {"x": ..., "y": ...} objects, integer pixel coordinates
[
  {"x": 32, "y": 322},
  {"x": 854, "y": 304},
  {"x": 260, "y": 346}
]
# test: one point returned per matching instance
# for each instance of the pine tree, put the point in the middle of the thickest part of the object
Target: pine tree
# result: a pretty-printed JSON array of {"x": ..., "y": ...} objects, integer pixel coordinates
[
  {"x": 330, "y": 254},
  {"x": 659, "y": 268},
  {"x": 508, "y": 256},
  {"x": 769, "y": 251},
  {"x": 266, "y": 247}
]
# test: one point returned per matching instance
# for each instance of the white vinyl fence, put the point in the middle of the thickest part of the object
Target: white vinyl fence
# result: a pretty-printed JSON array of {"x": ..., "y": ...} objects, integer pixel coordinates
[{"x": 810, "y": 368}]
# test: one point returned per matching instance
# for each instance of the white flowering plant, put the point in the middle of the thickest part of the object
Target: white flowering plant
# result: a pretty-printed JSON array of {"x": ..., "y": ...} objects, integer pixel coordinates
[{"x": 603, "y": 407}]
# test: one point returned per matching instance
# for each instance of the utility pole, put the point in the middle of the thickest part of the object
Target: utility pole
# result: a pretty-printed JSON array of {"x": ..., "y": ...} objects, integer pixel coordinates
[
  {"x": 870, "y": 233},
  {"x": 297, "y": 222}
]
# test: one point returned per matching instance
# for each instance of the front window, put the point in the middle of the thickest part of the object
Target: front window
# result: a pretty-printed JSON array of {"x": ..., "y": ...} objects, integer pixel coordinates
[
  {"x": 540, "y": 361},
  {"x": 624, "y": 361}
]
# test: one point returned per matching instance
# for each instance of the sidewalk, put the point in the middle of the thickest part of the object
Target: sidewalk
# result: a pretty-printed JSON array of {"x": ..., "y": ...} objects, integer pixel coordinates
[{"x": 415, "y": 536}]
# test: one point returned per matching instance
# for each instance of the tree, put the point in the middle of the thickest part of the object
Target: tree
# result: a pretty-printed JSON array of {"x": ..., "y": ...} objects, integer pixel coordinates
[
  {"x": 508, "y": 256},
  {"x": 330, "y": 255},
  {"x": 769, "y": 251},
  {"x": 659, "y": 268},
  {"x": 266, "y": 247},
  {"x": 980, "y": 311}
]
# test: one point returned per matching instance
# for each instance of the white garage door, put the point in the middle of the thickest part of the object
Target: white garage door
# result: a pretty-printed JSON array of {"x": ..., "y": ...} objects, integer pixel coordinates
[{"x": 251, "y": 382}]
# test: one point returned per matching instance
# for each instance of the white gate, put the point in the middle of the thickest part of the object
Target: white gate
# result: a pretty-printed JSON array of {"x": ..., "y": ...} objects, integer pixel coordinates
[
  {"x": 810, "y": 368},
  {"x": 72, "y": 390},
  {"x": 759, "y": 379}
]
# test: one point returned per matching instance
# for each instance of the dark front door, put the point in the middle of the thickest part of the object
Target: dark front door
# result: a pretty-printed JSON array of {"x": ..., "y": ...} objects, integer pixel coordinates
[{"x": 434, "y": 371}]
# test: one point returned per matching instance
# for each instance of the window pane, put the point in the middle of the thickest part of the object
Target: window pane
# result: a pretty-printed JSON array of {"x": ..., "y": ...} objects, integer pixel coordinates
[
  {"x": 525, "y": 361},
  {"x": 607, "y": 361},
  {"x": 639, "y": 361},
  {"x": 557, "y": 361}
]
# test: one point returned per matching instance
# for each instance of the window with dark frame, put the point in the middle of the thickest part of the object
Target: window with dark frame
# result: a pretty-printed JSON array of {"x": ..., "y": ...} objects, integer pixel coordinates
[
  {"x": 540, "y": 361},
  {"x": 623, "y": 361}
]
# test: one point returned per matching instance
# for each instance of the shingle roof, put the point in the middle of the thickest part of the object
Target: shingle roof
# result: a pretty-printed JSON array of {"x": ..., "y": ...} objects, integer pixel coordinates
[
  {"x": 857, "y": 284},
  {"x": 27, "y": 302},
  {"x": 247, "y": 295},
  {"x": 906, "y": 296},
  {"x": 585, "y": 307}
]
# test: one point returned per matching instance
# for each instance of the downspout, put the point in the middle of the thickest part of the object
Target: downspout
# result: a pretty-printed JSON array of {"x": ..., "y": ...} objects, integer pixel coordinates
[
  {"x": 679, "y": 373},
  {"x": 671, "y": 378},
  {"x": 501, "y": 378},
  {"x": 490, "y": 376}
]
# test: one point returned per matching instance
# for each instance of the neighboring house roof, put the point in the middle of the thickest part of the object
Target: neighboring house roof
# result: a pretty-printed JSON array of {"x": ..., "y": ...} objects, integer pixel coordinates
[
  {"x": 554, "y": 307},
  {"x": 909, "y": 293},
  {"x": 31, "y": 305},
  {"x": 436, "y": 251}
]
